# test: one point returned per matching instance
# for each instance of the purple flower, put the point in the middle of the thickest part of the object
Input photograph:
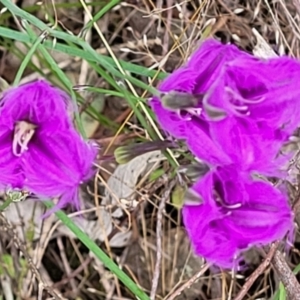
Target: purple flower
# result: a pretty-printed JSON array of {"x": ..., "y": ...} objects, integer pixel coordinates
[
  {"x": 264, "y": 90},
  {"x": 235, "y": 113},
  {"x": 222, "y": 89},
  {"x": 40, "y": 150},
  {"x": 236, "y": 213},
  {"x": 195, "y": 79}
]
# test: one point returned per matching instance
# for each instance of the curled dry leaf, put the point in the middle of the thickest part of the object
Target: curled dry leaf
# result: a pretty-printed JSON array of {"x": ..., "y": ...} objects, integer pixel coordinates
[
  {"x": 120, "y": 193},
  {"x": 121, "y": 186}
]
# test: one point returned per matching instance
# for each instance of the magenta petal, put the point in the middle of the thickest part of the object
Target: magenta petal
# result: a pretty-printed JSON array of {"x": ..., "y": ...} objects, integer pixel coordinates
[
  {"x": 262, "y": 90},
  {"x": 37, "y": 102},
  {"x": 194, "y": 132},
  {"x": 210, "y": 60},
  {"x": 57, "y": 164},
  {"x": 11, "y": 175},
  {"x": 202, "y": 69},
  {"x": 221, "y": 231},
  {"x": 204, "y": 233},
  {"x": 202, "y": 145},
  {"x": 169, "y": 120},
  {"x": 237, "y": 138},
  {"x": 245, "y": 142},
  {"x": 182, "y": 80},
  {"x": 195, "y": 78}
]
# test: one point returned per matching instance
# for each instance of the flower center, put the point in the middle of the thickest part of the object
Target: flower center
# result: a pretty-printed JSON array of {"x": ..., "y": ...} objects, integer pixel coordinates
[{"x": 23, "y": 133}]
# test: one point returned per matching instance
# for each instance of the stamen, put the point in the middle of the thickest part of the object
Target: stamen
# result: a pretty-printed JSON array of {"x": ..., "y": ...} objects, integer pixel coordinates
[
  {"x": 187, "y": 113},
  {"x": 23, "y": 133},
  {"x": 223, "y": 204},
  {"x": 194, "y": 111},
  {"x": 237, "y": 96},
  {"x": 233, "y": 206},
  {"x": 184, "y": 115}
]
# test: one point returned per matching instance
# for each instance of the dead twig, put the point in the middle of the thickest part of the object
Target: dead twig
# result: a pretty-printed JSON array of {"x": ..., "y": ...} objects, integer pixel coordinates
[
  {"x": 262, "y": 267},
  {"x": 189, "y": 283},
  {"x": 76, "y": 272},
  {"x": 286, "y": 276},
  {"x": 13, "y": 234},
  {"x": 161, "y": 207}
]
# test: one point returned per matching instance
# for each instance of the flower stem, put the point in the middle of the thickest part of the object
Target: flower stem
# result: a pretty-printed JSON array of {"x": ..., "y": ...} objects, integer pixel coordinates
[{"x": 6, "y": 203}]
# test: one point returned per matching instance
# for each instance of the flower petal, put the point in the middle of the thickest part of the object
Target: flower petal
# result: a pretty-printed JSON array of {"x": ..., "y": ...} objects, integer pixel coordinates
[
  {"x": 38, "y": 103},
  {"x": 194, "y": 132},
  {"x": 209, "y": 61},
  {"x": 267, "y": 89},
  {"x": 196, "y": 78},
  {"x": 11, "y": 174},
  {"x": 57, "y": 164},
  {"x": 220, "y": 233},
  {"x": 245, "y": 142}
]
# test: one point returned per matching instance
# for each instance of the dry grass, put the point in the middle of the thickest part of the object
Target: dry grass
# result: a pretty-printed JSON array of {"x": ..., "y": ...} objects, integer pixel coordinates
[{"x": 160, "y": 35}]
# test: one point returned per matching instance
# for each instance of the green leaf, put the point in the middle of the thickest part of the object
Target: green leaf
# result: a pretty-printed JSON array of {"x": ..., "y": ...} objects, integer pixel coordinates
[
  {"x": 28, "y": 57},
  {"x": 101, "y": 13}
]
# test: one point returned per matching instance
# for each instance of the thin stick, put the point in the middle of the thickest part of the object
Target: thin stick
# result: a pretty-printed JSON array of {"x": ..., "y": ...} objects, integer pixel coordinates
[
  {"x": 161, "y": 208},
  {"x": 286, "y": 276},
  {"x": 189, "y": 283},
  {"x": 13, "y": 234},
  {"x": 257, "y": 272}
]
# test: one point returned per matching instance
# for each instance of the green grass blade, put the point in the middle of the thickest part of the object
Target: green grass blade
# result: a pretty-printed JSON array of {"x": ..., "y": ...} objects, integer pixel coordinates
[
  {"x": 101, "y": 13},
  {"x": 28, "y": 57},
  {"x": 24, "y": 15},
  {"x": 101, "y": 255},
  {"x": 297, "y": 269},
  {"x": 77, "y": 52},
  {"x": 280, "y": 293},
  {"x": 76, "y": 40},
  {"x": 61, "y": 75}
]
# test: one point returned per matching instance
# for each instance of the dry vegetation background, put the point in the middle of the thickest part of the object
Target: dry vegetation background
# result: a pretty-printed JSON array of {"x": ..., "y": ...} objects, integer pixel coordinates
[{"x": 129, "y": 209}]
